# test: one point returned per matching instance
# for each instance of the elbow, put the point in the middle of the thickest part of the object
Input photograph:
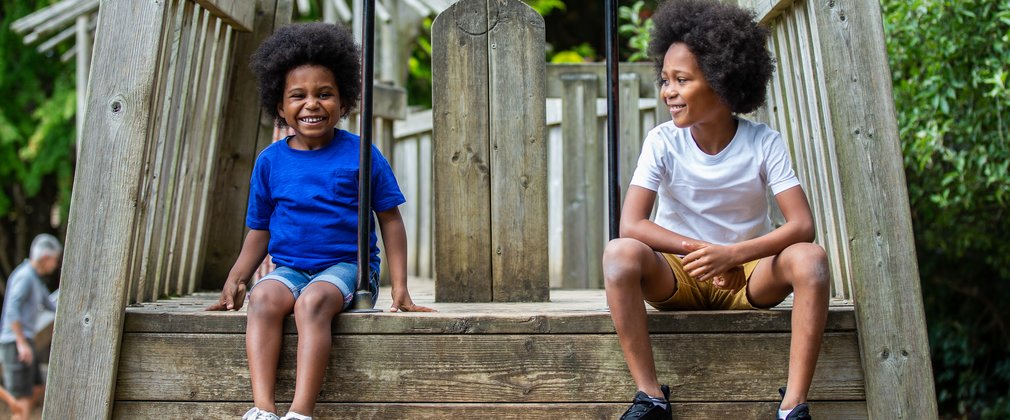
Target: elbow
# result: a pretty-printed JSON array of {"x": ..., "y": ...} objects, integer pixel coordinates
[{"x": 807, "y": 232}]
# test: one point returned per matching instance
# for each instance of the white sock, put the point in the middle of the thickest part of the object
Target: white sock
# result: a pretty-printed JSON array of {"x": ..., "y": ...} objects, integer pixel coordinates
[
  {"x": 295, "y": 416},
  {"x": 784, "y": 413},
  {"x": 661, "y": 402}
]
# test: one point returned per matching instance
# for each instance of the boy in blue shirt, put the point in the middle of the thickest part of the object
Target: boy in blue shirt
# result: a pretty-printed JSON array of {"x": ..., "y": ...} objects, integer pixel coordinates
[{"x": 303, "y": 209}]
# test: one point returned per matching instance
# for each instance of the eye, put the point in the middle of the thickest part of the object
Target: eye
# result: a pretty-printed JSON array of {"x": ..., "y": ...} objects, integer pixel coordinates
[
  {"x": 681, "y": 80},
  {"x": 663, "y": 82}
]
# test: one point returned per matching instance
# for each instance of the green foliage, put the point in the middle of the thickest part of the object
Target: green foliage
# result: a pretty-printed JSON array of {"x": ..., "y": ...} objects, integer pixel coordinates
[
  {"x": 37, "y": 131},
  {"x": 545, "y": 7},
  {"x": 949, "y": 65},
  {"x": 579, "y": 54},
  {"x": 634, "y": 23},
  {"x": 419, "y": 68}
]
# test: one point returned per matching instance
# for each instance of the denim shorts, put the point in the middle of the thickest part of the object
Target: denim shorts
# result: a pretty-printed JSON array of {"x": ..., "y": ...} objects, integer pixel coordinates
[
  {"x": 19, "y": 378},
  {"x": 342, "y": 275}
]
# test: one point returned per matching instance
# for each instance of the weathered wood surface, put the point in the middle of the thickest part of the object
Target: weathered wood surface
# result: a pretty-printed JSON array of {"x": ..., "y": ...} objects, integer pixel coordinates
[
  {"x": 518, "y": 151},
  {"x": 490, "y": 157},
  {"x": 239, "y": 13},
  {"x": 461, "y": 154},
  {"x": 582, "y": 206},
  {"x": 102, "y": 212},
  {"x": 245, "y": 131},
  {"x": 569, "y": 312},
  {"x": 505, "y": 411},
  {"x": 886, "y": 289},
  {"x": 487, "y": 367}
]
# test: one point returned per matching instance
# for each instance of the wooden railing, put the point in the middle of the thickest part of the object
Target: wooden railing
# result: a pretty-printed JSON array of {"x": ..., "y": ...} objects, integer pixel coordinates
[
  {"x": 831, "y": 100},
  {"x": 160, "y": 76},
  {"x": 576, "y": 131}
]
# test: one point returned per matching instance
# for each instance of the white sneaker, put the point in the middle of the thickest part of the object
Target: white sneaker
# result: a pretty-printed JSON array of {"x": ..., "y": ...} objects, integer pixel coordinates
[
  {"x": 291, "y": 415},
  {"x": 257, "y": 414}
]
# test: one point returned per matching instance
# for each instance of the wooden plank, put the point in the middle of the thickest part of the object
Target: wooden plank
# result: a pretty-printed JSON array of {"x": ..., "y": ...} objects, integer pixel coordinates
[
  {"x": 61, "y": 20},
  {"x": 223, "y": 71},
  {"x": 821, "y": 409},
  {"x": 240, "y": 14},
  {"x": 103, "y": 210},
  {"x": 889, "y": 307},
  {"x": 487, "y": 368},
  {"x": 766, "y": 10},
  {"x": 518, "y": 152},
  {"x": 578, "y": 132},
  {"x": 187, "y": 317},
  {"x": 840, "y": 255},
  {"x": 631, "y": 131},
  {"x": 461, "y": 156},
  {"x": 244, "y": 127}
]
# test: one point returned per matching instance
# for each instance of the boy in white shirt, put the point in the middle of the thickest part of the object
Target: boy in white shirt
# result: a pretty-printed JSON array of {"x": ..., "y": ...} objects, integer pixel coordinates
[{"x": 712, "y": 245}]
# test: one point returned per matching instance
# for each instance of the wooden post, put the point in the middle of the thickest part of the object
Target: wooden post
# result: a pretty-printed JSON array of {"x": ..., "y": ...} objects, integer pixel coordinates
[
  {"x": 246, "y": 130},
  {"x": 889, "y": 311},
  {"x": 490, "y": 152},
  {"x": 631, "y": 128},
  {"x": 582, "y": 148},
  {"x": 85, "y": 350}
]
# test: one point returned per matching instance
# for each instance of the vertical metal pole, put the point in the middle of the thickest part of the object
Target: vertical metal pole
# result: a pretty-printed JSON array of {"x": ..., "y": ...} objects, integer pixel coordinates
[
  {"x": 613, "y": 141},
  {"x": 363, "y": 297}
]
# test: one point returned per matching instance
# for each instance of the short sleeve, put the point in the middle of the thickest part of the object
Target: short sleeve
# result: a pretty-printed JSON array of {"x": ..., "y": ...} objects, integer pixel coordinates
[
  {"x": 19, "y": 293},
  {"x": 386, "y": 192},
  {"x": 778, "y": 168},
  {"x": 650, "y": 170},
  {"x": 261, "y": 206}
]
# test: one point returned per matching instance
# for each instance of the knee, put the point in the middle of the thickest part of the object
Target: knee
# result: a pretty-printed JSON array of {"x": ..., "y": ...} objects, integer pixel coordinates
[
  {"x": 318, "y": 306},
  {"x": 622, "y": 262},
  {"x": 268, "y": 305},
  {"x": 809, "y": 264}
]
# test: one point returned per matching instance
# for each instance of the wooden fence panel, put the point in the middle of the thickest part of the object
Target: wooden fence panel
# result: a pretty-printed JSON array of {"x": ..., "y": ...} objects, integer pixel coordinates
[
  {"x": 581, "y": 182},
  {"x": 103, "y": 211}
]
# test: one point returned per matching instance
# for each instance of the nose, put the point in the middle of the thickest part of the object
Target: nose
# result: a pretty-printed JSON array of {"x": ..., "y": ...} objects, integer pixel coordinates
[{"x": 669, "y": 91}]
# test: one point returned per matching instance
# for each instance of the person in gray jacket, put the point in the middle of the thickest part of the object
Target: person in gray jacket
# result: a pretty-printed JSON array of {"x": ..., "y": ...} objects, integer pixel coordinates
[{"x": 25, "y": 298}]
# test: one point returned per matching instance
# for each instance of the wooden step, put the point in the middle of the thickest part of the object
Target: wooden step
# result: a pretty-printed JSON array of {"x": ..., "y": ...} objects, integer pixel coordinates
[{"x": 487, "y": 360}]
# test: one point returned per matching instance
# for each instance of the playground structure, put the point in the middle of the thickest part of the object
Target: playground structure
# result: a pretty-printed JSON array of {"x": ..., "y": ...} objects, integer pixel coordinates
[{"x": 172, "y": 122}]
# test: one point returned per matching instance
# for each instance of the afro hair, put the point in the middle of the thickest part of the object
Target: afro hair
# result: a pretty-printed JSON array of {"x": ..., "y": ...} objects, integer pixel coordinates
[
  {"x": 291, "y": 46},
  {"x": 728, "y": 44}
]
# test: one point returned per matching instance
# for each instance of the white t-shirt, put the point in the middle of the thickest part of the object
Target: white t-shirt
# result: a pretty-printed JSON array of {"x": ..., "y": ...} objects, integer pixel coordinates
[{"x": 719, "y": 198}]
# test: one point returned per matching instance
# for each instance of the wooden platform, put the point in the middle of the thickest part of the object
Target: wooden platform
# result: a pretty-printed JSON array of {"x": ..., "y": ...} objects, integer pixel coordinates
[{"x": 522, "y": 360}]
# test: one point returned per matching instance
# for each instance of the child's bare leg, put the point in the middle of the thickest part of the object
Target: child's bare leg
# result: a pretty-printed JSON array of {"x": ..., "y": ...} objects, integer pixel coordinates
[
  {"x": 314, "y": 312},
  {"x": 633, "y": 271},
  {"x": 270, "y": 302},
  {"x": 803, "y": 269},
  {"x": 8, "y": 399}
]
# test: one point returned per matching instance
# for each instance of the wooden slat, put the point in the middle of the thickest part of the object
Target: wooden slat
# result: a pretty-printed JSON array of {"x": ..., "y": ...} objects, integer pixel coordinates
[
  {"x": 244, "y": 128},
  {"x": 223, "y": 78},
  {"x": 518, "y": 137},
  {"x": 578, "y": 138},
  {"x": 487, "y": 368},
  {"x": 103, "y": 211},
  {"x": 188, "y": 318},
  {"x": 61, "y": 20},
  {"x": 887, "y": 291},
  {"x": 461, "y": 155},
  {"x": 631, "y": 132},
  {"x": 238, "y": 13},
  {"x": 743, "y": 410},
  {"x": 766, "y": 10}
]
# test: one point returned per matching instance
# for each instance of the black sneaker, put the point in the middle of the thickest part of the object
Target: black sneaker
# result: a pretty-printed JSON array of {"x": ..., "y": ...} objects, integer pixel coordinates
[
  {"x": 800, "y": 412},
  {"x": 642, "y": 408}
]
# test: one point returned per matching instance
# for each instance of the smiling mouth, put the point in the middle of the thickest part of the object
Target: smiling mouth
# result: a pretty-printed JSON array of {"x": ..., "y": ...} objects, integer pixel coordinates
[
  {"x": 677, "y": 107},
  {"x": 311, "y": 120}
]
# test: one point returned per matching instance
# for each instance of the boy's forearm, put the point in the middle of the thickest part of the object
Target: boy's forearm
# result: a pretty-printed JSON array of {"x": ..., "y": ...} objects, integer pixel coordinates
[
  {"x": 394, "y": 238},
  {"x": 254, "y": 249},
  {"x": 19, "y": 333},
  {"x": 772, "y": 243},
  {"x": 656, "y": 237}
]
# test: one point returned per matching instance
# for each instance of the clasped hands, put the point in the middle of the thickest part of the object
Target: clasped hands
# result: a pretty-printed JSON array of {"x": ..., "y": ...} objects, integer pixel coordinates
[{"x": 717, "y": 263}]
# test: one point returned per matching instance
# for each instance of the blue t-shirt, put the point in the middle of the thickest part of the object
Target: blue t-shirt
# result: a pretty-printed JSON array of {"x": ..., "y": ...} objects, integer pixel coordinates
[{"x": 308, "y": 200}]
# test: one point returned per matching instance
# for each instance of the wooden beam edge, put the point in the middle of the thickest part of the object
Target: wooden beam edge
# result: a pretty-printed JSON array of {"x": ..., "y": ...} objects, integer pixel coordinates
[{"x": 237, "y": 13}]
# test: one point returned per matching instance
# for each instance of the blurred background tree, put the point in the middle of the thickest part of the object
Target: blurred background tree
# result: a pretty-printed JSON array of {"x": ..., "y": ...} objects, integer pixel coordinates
[
  {"x": 37, "y": 137},
  {"x": 949, "y": 63}
]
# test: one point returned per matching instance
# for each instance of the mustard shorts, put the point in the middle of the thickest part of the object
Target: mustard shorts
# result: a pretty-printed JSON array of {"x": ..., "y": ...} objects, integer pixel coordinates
[{"x": 692, "y": 294}]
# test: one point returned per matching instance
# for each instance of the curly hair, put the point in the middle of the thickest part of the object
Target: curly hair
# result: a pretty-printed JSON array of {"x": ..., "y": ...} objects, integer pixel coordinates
[
  {"x": 291, "y": 46},
  {"x": 728, "y": 44}
]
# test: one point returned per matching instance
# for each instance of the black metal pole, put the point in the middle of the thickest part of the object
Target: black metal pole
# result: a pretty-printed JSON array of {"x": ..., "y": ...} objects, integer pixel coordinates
[
  {"x": 362, "y": 296},
  {"x": 613, "y": 180}
]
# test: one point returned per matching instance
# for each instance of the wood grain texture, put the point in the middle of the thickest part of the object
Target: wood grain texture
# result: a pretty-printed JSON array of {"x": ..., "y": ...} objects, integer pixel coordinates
[
  {"x": 889, "y": 311},
  {"x": 742, "y": 410},
  {"x": 244, "y": 128},
  {"x": 548, "y": 368},
  {"x": 238, "y": 13},
  {"x": 461, "y": 154},
  {"x": 578, "y": 126},
  {"x": 103, "y": 210},
  {"x": 518, "y": 128}
]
